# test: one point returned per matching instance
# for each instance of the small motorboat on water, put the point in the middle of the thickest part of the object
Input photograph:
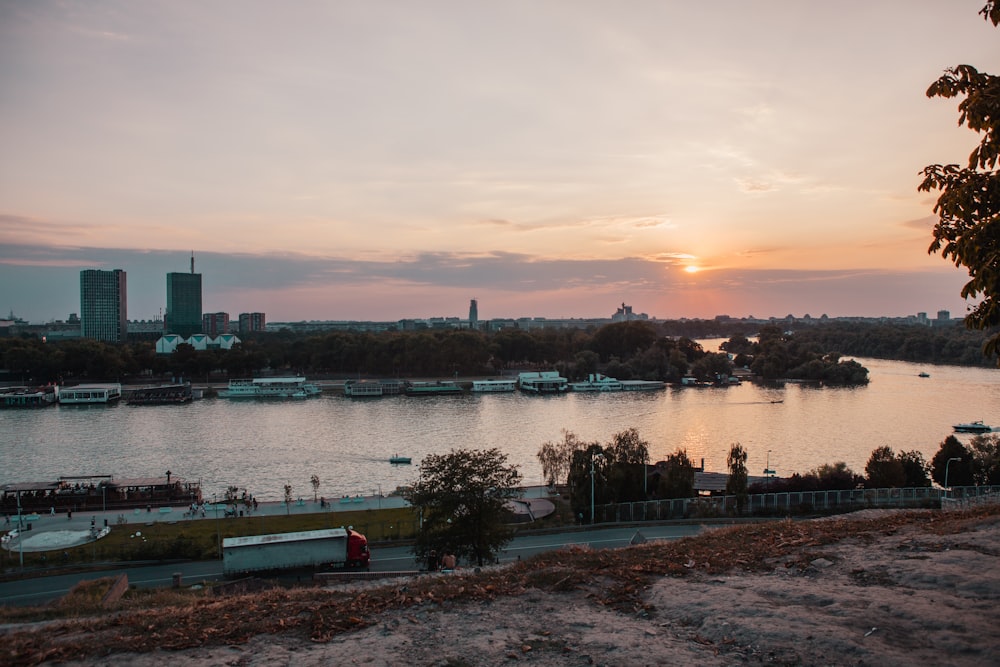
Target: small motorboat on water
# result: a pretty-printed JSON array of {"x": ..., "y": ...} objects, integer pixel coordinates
[
  {"x": 973, "y": 427},
  {"x": 396, "y": 459},
  {"x": 923, "y": 374}
]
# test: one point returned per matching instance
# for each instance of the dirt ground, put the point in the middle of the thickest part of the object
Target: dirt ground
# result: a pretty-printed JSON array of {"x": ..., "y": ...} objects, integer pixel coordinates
[{"x": 890, "y": 594}]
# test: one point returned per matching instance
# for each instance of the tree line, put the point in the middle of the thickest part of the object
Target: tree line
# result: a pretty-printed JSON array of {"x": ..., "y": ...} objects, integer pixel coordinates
[
  {"x": 619, "y": 471},
  {"x": 625, "y": 350}
]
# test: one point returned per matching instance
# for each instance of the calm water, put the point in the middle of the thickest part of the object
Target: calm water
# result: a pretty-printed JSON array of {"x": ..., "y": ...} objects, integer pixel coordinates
[{"x": 347, "y": 442}]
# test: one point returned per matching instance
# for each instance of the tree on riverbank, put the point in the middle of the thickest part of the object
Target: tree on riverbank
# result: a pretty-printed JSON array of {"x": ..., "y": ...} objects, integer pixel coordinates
[
  {"x": 968, "y": 229},
  {"x": 462, "y": 498},
  {"x": 736, "y": 483}
]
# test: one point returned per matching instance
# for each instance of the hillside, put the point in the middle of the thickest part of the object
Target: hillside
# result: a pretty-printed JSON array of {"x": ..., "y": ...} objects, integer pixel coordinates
[{"x": 875, "y": 587}]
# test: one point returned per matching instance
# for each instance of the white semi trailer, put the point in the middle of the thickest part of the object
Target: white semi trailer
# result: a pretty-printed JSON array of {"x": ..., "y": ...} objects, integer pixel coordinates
[{"x": 330, "y": 547}]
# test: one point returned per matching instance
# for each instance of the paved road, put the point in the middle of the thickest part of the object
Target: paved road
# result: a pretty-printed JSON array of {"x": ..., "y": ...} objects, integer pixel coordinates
[{"x": 384, "y": 559}]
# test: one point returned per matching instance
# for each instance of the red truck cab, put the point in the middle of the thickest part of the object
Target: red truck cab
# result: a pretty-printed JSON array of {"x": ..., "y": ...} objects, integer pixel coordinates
[{"x": 357, "y": 550}]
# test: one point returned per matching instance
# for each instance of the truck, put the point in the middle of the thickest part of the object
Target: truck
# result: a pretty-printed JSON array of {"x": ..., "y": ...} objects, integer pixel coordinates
[{"x": 330, "y": 547}]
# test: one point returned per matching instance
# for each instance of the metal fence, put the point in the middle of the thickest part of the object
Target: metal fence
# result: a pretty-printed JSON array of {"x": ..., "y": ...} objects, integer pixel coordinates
[{"x": 794, "y": 502}]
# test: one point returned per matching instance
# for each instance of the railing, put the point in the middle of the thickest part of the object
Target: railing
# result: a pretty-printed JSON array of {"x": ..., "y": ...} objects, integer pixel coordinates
[{"x": 794, "y": 502}]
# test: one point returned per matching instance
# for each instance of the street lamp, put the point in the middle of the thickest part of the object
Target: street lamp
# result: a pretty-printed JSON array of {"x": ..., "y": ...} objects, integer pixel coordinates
[
  {"x": 598, "y": 454},
  {"x": 946, "y": 466},
  {"x": 218, "y": 531}
]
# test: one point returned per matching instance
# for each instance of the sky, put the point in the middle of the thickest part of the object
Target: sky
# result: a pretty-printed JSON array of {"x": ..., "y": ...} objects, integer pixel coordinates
[{"x": 382, "y": 160}]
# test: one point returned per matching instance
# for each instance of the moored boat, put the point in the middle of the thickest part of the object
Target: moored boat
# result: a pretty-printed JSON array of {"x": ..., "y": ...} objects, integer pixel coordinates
[
  {"x": 168, "y": 394},
  {"x": 277, "y": 387},
  {"x": 396, "y": 459},
  {"x": 362, "y": 388},
  {"x": 544, "y": 382},
  {"x": 493, "y": 386},
  {"x": 83, "y": 493},
  {"x": 90, "y": 393},
  {"x": 597, "y": 382},
  {"x": 28, "y": 397},
  {"x": 441, "y": 387},
  {"x": 973, "y": 427}
]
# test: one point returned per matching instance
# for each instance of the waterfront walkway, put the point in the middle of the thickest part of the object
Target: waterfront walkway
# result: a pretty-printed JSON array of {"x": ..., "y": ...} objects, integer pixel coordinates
[{"x": 50, "y": 532}]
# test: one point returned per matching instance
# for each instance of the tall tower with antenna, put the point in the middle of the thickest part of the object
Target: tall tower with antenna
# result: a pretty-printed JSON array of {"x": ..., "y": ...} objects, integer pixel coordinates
[{"x": 183, "y": 303}]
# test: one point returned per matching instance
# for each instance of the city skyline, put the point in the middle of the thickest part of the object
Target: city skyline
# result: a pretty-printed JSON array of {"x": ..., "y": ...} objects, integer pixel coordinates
[{"x": 387, "y": 161}]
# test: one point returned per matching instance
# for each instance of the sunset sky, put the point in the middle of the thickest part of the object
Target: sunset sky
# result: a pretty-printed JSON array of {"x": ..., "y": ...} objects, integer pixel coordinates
[{"x": 379, "y": 160}]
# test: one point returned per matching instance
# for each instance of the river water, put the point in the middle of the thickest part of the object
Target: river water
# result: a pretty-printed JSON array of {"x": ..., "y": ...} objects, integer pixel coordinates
[{"x": 347, "y": 442}]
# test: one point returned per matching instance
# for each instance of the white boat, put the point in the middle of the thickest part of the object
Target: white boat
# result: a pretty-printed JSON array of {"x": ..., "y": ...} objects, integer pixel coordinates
[
  {"x": 545, "y": 382},
  {"x": 973, "y": 427},
  {"x": 90, "y": 393},
  {"x": 492, "y": 386},
  {"x": 284, "y": 387},
  {"x": 597, "y": 382}
]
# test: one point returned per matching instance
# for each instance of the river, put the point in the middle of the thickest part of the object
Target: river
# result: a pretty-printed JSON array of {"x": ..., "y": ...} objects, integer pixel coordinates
[{"x": 346, "y": 442}]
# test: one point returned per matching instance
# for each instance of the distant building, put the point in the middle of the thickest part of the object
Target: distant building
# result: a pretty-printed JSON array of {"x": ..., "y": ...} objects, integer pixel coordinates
[
  {"x": 625, "y": 314},
  {"x": 250, "y": 322},
  {"x": 473, "y": 314},
  {"x": 103, "y": 305},
  {"x": 168, "y": 344},
  {"x": 215, "y": 324},
  {"x": 144, "y": 329},
  {"x": 184, "y": 302}
]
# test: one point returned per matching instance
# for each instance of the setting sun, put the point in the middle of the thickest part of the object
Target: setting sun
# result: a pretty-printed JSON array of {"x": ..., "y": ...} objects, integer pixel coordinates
[{"x": 691, "y": 269}]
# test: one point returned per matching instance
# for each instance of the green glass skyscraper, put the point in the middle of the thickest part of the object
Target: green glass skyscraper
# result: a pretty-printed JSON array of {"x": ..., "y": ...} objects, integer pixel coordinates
[{"x": 184, "y": 303}]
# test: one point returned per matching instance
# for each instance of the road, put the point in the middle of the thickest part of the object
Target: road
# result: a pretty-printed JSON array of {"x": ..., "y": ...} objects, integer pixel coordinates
[{"x": 42, "y": 590}]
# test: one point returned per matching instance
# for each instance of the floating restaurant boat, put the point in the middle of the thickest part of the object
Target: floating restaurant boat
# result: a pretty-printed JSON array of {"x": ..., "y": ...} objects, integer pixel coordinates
[
  {"x": 368, "y": 388},
  {"x": 642, "y": 385},
  {"x": 27, "y": 397},
  {"x": 90, "y": 393},
  {"x": 168, "y": 394},
  {"x": 278, "y": 387},
  {"x": 92, "y": 493},
  {"x": 544, "y": 382},
  {"x": 441, "y": 387},
  {"x": 493, "y": 386},
  {"x": 597, "y": 382}
]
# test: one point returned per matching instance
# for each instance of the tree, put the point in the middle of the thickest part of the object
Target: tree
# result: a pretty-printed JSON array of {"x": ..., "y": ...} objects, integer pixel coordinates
[
  {"x": 314, "y": 480},
  {"x": 288, "y": 499},
  {"x": 462, "y": 497},
  {"x": 914, "y": 469},
  {"x": 556, "y": 457},
  {"x": 627, "y": 455},
  {"x": 985, "y": 451},
  {"x": 677, "y": 477},
  {"x": 736, "y": 483},
  {"x": 836, "y": 477},
  {"x": 959, "y": 473},
  {"x": 580, "y": 480},
  {"x": 884, "y": 470},
  {"x": 968, "y": 229}
]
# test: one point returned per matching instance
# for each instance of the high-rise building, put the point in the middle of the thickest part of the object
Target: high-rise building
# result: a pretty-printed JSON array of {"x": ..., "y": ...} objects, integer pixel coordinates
[
  {"x": 184, "y": 303},
  {"x": 250, "y": 322},
  {"x": 103, "y": 305},
  {"x": 215, "y": 324},
  {"x": 473, "y": 314}
]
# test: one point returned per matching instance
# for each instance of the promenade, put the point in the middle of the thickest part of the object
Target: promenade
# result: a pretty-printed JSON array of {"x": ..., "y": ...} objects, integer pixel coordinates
[{"x": 50, "y": 532}]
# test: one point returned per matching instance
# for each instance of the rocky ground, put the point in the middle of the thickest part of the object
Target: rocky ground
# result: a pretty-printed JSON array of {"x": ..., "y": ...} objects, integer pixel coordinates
[{"x": 872, "y": 588}]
